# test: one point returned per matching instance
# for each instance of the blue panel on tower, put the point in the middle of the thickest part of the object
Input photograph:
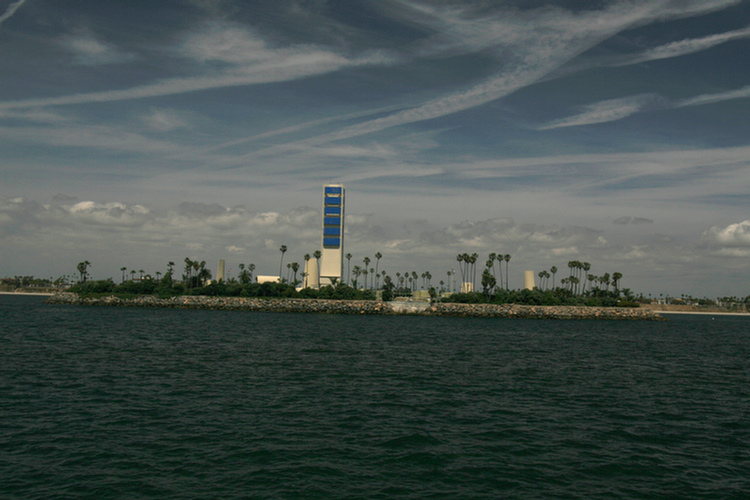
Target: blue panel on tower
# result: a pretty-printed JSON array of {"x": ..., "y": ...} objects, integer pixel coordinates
[
  {"x": 332, "y": 200},
  {"x": 331, "y": 242},
  {"x": 332, "y": 221},
  {"x": 332, "y": 231},
  {"x": 332, "y": 190},
  {"x": 332, "y": 211}
]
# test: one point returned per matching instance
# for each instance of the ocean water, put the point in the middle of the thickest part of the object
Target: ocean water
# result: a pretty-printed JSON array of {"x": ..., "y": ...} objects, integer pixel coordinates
[{"x": 103, "y": 403}]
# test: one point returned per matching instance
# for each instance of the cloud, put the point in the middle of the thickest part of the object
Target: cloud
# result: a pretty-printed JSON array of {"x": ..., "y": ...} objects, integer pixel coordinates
[
  {"x": 617, "y": 109},
  {"x": 731, "y": 236},
  {"x": 12, "y": 8},
  {"x": 530, "y": 44},
  {"x": 242, "y": 57},
  {"x": 702, "y": 99},
  {"x": 632, "y": 220},
  {"x": 90, "y": 136},
  {"x": 109, "y": 214},
  {"x": 164, "y": 120},
  {"x": 688, "y": 46},
  {"x": 89, "y": 51},
  {"x": 609, "y": 110}
]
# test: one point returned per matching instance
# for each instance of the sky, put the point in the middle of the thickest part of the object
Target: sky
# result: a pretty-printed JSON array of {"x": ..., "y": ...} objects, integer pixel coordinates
[{"x": 613, "y": 132}]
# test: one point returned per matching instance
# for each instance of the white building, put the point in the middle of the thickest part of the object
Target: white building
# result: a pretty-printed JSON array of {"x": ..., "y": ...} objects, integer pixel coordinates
[{"x": 332, "y": 238}]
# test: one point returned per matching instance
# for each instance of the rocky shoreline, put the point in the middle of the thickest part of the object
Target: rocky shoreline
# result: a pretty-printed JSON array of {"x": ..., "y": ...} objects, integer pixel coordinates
[{"x": 362, "y": 307}]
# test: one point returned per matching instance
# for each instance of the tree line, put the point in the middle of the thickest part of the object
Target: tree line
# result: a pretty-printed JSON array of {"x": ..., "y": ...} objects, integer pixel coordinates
[{"x": 360, "y": 281}]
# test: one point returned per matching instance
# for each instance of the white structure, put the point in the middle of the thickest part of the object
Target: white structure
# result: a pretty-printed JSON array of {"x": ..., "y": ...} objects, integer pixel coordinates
[
  {"x": 332, "y": 239},
  {"x": 528, "y": 280},
  {"x": 310, "y": 279},
  {"x": 467, "y": 287},
  {"x": 220, "y": 271},
  {"x": 269, "y": 279}
]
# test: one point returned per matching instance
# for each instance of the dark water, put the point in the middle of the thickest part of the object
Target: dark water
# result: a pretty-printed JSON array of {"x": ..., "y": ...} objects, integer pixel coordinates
[{"x": 138, "y": 403}]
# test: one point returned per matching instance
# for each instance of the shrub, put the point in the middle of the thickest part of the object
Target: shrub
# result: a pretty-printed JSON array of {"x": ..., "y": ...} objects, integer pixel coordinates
[{"x": 91, "y": 287}]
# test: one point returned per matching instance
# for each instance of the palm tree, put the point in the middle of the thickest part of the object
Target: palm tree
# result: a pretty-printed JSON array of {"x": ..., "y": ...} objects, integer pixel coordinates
[
  {"x": 586, "y": 267},
  {"x": 141, "y": 272},
  {"x": 170, "y": 272},
  {"x": 251, "y": 268},
  {"x": 553, "y": 270},
  {"x": 357, "y": 272},
  {"x": 282, "y": 249},
  {"x": 243, "y": 274},
  {"x": 473, "y": 260},
  {"x": 488, "y": 283},
  {"x": 460, "y": 259},
  {"x": 132, "y": 274},
  {"x": 305, "y": 273},
  {"x": 83, "y": 270},
  {"x": 197, "y": 268},
  {"x": 507, "y": 259},
  {"x": 378, "y": 256},
  {"x": 616, "y": 281},
  {"x": 204, "y": 274},
  {"x": 366, "y": 260},
  {"x": 295, "y": 268},
  {"x": 318, "y": 254},
  {"x": 492, "y": 258},
  {"x": 348, "y": 268},
  {"x": 123, "y": 269}
]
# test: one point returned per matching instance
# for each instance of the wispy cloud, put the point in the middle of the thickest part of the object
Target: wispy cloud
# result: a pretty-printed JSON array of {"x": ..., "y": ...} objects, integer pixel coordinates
[
  {"x": 617, "y": 109},
  {"x": 12, "y": 8},
  {"x": 624, "y": 221},
  {"x": 609, "y": 110},
  {"x": 539, "y": 40},
  {"x": 688, "y": 46},
  {"x": 89, "y": 136},
  {"x": 242, "y": 59},
  {"x": 89, "y": 51},
  {"x": 712, "y": 98}
]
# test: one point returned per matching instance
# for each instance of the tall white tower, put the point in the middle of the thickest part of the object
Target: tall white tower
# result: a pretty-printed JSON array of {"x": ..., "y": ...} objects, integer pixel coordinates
[{"x": 332, "y": 242}]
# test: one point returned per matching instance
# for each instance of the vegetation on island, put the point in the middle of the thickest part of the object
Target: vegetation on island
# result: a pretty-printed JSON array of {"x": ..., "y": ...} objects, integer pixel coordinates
[{"x": 579, "y": 287}]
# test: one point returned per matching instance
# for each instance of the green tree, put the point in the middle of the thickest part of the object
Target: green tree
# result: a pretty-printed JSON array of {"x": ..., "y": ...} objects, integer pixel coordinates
[{"x": 488, "y": 284}]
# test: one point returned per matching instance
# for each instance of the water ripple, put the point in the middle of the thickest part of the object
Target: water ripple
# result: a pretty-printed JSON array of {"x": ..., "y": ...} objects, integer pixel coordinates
[{"x": 123, "y": 403}]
